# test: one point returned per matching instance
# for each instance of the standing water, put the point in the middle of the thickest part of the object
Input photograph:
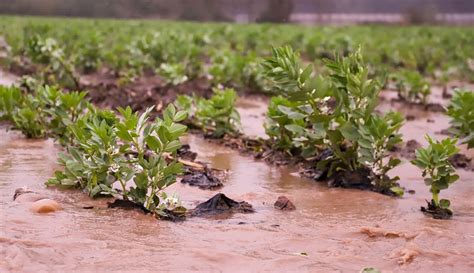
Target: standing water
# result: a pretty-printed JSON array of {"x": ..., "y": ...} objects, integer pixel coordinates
[{"x": 332, "y": 230}]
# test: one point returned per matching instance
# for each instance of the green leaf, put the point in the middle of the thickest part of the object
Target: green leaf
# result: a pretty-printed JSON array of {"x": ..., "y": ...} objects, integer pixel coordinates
[
  {"x": 154, "y": 143},
  {"x": 172, "y": 146},
  {"x": 397, "y": 190},
  {"x": 444, "y": 203},
  {"x": 290, "y": 112},
  {"x": 296, "y": 129}
]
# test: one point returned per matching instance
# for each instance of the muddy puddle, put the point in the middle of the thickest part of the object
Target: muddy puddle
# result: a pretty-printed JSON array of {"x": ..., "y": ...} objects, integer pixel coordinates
[{"x": 252, "y": 112}]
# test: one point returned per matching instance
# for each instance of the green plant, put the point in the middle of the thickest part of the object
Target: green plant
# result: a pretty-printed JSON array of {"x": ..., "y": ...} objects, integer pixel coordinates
[
  {"x": 173, "y": 74},
  {"x": 57, "y": 67},
  {"x": 45, "y": 112},
  {"x": 438, "y": 173},
  {"x": 59, "y": 110},
  {"x": 10, "y": 99},
  {"x": 227, "y": 66},
  {"x": 412, "y": 87},
  {"x": 110, "y": 151},
  {"x": 89, "y": 51},
  {"x": 151, "y": 143},
  {"x": 338, "y": 115},
  {"x": 29, "y": 121},
  {"x": 216, "y": 116},
  {"x": 93, "y": 163},
  {"x": 461, "y": 111},
  {"x": 375, "y": 139},
  {"x": 280, "y": 122}
]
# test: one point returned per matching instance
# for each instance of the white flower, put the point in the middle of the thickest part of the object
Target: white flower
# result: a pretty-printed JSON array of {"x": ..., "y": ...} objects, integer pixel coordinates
[{"x": 172, "y": 202}]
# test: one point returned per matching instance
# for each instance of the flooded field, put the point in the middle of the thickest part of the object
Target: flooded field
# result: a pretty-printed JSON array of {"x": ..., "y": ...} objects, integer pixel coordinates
[
  {"x": 213, "y": 86},
  {"x": 332, "y": 230}
]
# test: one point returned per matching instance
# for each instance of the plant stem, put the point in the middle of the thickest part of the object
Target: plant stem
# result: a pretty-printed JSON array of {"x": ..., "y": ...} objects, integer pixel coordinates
[{"x": 436, "y": 199}]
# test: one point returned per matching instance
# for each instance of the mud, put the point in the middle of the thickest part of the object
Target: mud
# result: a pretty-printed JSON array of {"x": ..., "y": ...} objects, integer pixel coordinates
[
  {"x": 283, "y": 203},
  {"x": 220, "y": 204},
  {"x": 409, "y": 149},
  {"x": 124, "y": 204},
  {"x": 105, "y": 90},
  {"x": 436, "y": 212},
  {"x": 204, "y": 179},
  {"x": 186, "y": 153},
  {"x": 462, "y": 161}
]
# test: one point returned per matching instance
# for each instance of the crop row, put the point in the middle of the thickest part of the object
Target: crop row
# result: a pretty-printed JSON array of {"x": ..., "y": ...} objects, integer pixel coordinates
[
  {"x": 60, "y": 51},
  {"x": 330, "y": 116}
]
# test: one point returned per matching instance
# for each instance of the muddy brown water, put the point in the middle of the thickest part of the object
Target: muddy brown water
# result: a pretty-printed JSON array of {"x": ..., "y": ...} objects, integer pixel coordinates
[
  {"x": 7, "y": 78},
  {"x": 323, "y": 234}
]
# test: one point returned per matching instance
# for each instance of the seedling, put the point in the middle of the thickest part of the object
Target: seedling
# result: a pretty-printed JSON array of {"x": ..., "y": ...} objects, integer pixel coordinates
[{"x": 438, "y": 173}]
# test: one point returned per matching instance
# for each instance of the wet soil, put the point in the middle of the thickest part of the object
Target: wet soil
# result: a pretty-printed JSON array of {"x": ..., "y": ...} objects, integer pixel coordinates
[
  {"x": 204, "y": 179},
  {"x": 283, "y": 203},
  {"x": 436, "y": 212},
  {"x": 105, "y": 90},
  {"x": 221, "y": 204}
]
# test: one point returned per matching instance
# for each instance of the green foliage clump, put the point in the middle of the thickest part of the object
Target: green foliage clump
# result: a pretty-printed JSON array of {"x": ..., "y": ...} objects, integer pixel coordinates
[
  {"x": 173, "y": 74},
  {"x": 104, "y": 151},
  {"x": 337, "y": 114},
  {"x": 110, "y": 151},
  {"x": 57, "y": 68},
  {"x": 216, "y": 116},
  {"x": 10, "y": 99},
  {"x": 461, "y": 111},
  {"x": 45, "y": 112},
  {"x": 280, "y": 124},
  {"x": 439, "y": 174}
]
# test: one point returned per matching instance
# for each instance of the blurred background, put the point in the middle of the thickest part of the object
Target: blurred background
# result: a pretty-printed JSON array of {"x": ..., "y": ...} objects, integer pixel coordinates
[{"x": 459, "y": 12}]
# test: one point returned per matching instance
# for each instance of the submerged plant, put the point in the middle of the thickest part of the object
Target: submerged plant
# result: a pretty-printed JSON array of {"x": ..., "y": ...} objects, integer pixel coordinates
[
  {"x": 92, "y": 163},
  {"x": 461, "y": 111},
  {"x": 104, "y": 151},
  {"x": 216, "y": 116},
  {"x": 438, "y": 173}
]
